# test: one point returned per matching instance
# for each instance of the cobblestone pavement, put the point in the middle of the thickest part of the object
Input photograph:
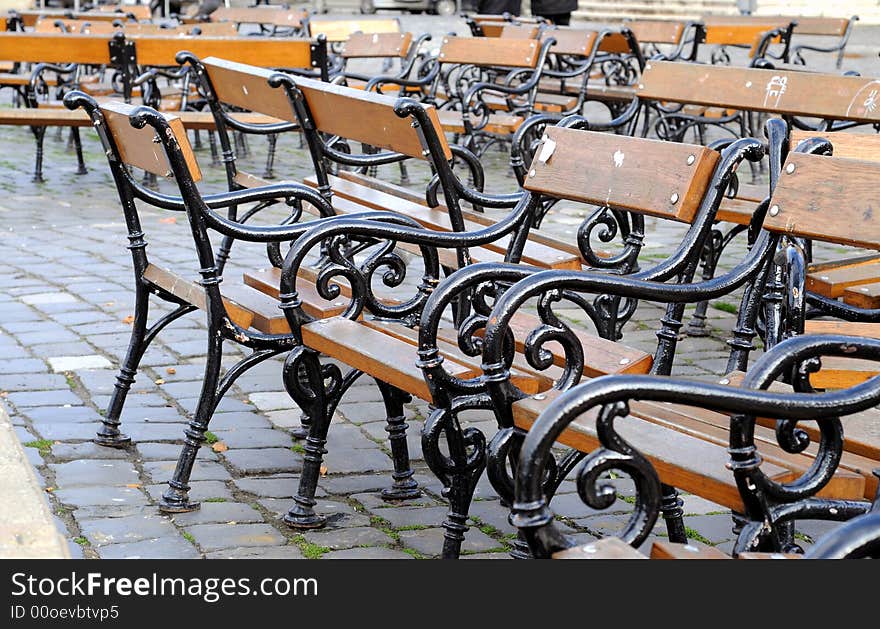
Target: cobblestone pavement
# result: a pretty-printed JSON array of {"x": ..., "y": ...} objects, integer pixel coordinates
[{"x": 65, "y": 302}]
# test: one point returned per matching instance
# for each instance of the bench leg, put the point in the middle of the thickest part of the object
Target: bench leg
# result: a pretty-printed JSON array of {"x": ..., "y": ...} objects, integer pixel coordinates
[
  {"x": 270, "y": 159},
  {"x": 709, "y": 260},
  {"x": 404, "y": 174},
  {"x": 671, "y": 508},
  {"x": 176, "y": 497},
  {"x": 215, "y": 156},
  {"x": 459, "y": 471},
  {"x": 39, "y": 136},
  {"x": 77, "y": 146},
  {"x": 319, "y": 401},
  {"x": 405, "y": 487}
]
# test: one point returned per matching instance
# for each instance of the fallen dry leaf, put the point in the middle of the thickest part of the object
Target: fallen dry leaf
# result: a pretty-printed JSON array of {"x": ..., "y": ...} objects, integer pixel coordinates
[
  {"x": 324, "y": 470},
  {"x": 129, "y": 319},
  {"x": 169, "y": 219},
  {"x": 133, "y": 485},
  {"x": 171, "y": 371},
  {"x": 219, "y": 447},
  {"x": 4, "y": 393},
  {"x": 160, "y": 381}
]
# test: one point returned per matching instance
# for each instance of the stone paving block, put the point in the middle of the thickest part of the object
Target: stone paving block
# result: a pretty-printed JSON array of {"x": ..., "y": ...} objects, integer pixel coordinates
[
  {"x": 291, "y": 418},
  {"x": 227, "y": 404},
  {"x": 277, "y": 486},
  {"x": 367, "y": 553},
  {"x": 243, "y": 438},
  {"x": 95, "y": 472},
  {"x": 571, "y": 506},
  {"x": 219, "y": 513},
  {"x": 289, "y": 551},
  {"x": 181, "y": 372},
  {"x": 101, "y": 496},
  {"x": 22, "y": 365},
  {"x": 33, "y": 381},
  {"x": 413, "y": 437},
  {"x": 271, "y": 400},
  {"x": 55, "y": 297},
  {"x": 128, "y": 529},
  {"x": 339, "y": 539},
  {"x": 34, "y": 457},
  {"x": 162, "y": 548},
  {"x": 354, "y": 484},
  {"x": 185, "y": 389},
  {"x": 238, "y": 421},
  {"x": 169, "y": 451},
  {"x": 715, "y": 528},
  {"x": 493, "y": 513},
  {"x": 351, "y": 461},
  {"x": 165, "y": 431},
  {"x": 695, "y": 505},
  {"x": 79, "y": 431},
  {"x": 61, "y": 364},
  {"x": 63, "y": 414},
  {"x": 495, "y": 555},
  {"x": 199, "y": 490},
  {"x": 264, "y": 461},
  {"x": 135, "y": 399},
  {"x": 76, "y": 318},
  {"x": 349, "y": 436},
  {"x": 87, "y": 450},
  {"x": 151, "y": 414},
  {"x": 399, "y": 517},
  {"x": 44, "y": 398},
  {"x": 364, "y": 412},
  {"x": 55, "y": 336},
  {"x": 202, "y": 470},
  {"x": 218, "y": 536},
  {"x": 429, "y": 542}
]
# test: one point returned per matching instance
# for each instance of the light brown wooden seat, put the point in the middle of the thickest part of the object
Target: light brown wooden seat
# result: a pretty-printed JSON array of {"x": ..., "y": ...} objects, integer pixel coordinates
[
  {"x": 339, "y": 30},
  {"x": 615, "y": 548}
]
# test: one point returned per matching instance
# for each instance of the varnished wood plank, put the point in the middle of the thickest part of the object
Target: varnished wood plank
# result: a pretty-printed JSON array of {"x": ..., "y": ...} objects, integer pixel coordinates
[
  {"x": 656, "y": 31},
  {"x": 754, "y": 556},
  {"x": 376, "y": 354},
  {"x": 865, "y": 296},
  {"x": 340, "y": 30},
  {"x": 864, "y": 146},
  {"x": 601, "y": 168},
  {"x": 849, "y": 328},
  {"x": 490, "y": 51},
  {"x": 502, "y": 124},
  {"x": 738, "y": 33},
  {"x": 796, "y": 93},
  {"x": 684, "y": 462},
  {"x": 367, "y": 45},
  {"x": 691, "y": 550},
  {"x": 605, "y": 548},
  {"x": 571, "y": 41},
  {"x": 822, "y": 198},
  {"x": 263, "y": 14},
  {"x": 519, "y": 31},
  {"x": 140, "y": 148}
]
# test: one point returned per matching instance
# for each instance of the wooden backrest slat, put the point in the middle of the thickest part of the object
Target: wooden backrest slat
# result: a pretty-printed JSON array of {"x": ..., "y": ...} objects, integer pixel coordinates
[
  {"x": 141, "y": 148},
  {"x": 615, "y": 44},
  {"x": 520, "y": 31},
  {"x": 274, "y": 52},
  {"x": 337, "y": 110},
  {"x": 155, "y": 50},
  {"x": 247, "y": 86},
  {"x": 366, "y": 117},
  {"x": 571, "y": 41},
  {"x": 490, "y": 51},
  {"x": 738, "y": 34},
  {"x": 493, "y": 29},
  {"x": 656, "y": 31},
  {"x": 602, "y": 168},
  {"x": 50, "y": 48},
  {"x": 776, "y": 91},
  {"x": 29, "y": 18},
  {"x": 806, "y": 25},
  {"x": 367, "y": 45},
  {"x": 832, "y": 199},
  {"x": 341, "y": 30},
  {"x": 862, "y": 146},
  {"x": 262, "y": 14}
]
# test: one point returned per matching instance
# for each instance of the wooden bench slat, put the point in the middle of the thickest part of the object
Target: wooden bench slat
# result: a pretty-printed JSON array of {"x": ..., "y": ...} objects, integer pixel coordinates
[
  {"x": 490, "y": 51},
  {"x": 691, "y": 550},
  {"x": 378, "y": 355},
  {"x": 534, "y": 253},
  {"x": 680, "y": 172},
  {"x": 501, "y": 124},
  {"x": 864, "y": 296},
  {"x": 605, "y": 548},
  {"x": 693, "y": 465},
  {"x": 833, "y": 282}
]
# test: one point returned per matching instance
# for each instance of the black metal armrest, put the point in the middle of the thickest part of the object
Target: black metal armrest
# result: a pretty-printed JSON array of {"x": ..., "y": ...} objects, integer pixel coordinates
[{"x": 613, "y": 393}]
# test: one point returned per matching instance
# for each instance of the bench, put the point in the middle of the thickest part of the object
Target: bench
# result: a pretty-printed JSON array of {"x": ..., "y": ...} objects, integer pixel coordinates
[
  {"x": 272, "y": 20},
  {"x": 728, "y": 444},
  {"x": 388, "y": 350},
  {"x": 127, "y": 53},
  {"x": 755, "y": 35},
  {"x": 236, "y": 313},
  {"x": 338, "y": 31},
  {"x": 724, "y": 95}
]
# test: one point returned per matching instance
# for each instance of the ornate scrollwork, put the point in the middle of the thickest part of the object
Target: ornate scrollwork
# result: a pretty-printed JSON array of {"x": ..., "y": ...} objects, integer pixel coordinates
[{"x": 616, "y": 454}]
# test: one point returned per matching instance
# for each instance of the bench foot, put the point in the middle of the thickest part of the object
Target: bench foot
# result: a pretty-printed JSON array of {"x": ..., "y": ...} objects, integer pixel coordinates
[
  {"x": 170, "y": 503},
  {"x": 405, "y": 490},
  {"x": 117, "y": 440},
  {"x": 304, "y": 520}
]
